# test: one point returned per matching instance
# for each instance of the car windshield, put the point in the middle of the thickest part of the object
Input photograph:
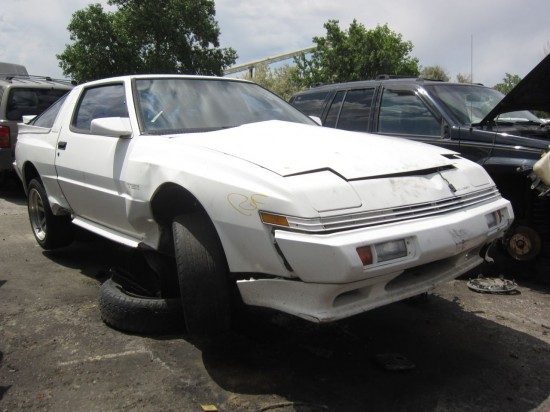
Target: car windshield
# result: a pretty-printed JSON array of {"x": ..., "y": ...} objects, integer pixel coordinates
[
  {"x": 180, "y": 105},
  {"x": 471, "y": 103}
]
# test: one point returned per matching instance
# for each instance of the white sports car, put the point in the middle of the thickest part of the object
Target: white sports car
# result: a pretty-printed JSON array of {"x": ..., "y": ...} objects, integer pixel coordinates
[{"x": 244, "y": 190}]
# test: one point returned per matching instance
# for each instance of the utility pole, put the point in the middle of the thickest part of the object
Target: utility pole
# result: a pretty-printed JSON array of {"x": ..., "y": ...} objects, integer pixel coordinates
[{"x": 471, "y": 58}]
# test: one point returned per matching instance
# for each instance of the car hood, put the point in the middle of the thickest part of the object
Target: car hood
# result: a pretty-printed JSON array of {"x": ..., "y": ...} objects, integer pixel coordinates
[
  {"x": 292, "y": 149},
  {"x": 529, "y": 94}
]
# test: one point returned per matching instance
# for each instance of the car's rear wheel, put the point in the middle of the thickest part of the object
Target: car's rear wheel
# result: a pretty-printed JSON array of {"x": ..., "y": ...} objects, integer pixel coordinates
[
  {"x": 202, "y": 274},
  {"x": 50, "y": 231}
]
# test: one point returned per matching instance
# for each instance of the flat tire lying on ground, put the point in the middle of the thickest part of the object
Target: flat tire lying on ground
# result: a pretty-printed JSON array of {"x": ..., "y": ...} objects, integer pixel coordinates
[
  {"x": 202, "y": 274},
  {"x": 50, "y": 231},
  {"x": 129, "y": 312}
]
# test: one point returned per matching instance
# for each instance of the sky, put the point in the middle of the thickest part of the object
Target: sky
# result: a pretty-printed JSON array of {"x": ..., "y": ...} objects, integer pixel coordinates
[{"x": 508, "y": 35}]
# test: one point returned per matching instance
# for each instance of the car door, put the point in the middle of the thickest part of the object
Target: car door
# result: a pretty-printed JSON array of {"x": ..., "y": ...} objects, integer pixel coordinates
[
  {"x": 402, "y": 112},
  {"x": 90, "y": 166}
]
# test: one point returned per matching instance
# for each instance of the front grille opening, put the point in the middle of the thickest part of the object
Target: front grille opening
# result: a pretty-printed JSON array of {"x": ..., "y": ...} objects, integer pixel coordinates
[
  {"x": 352, "y": 296},
  {"x": 420, "y": 274},
  {"x": 409, "y": 212}
]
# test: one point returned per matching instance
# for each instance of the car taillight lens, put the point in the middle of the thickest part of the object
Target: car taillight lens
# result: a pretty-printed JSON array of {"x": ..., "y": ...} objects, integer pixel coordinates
[{"x": 4, "y": 137}]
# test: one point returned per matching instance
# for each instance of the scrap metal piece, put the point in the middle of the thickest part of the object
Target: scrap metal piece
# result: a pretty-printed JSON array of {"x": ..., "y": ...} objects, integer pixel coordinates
[{"x": 492, "y": 285}]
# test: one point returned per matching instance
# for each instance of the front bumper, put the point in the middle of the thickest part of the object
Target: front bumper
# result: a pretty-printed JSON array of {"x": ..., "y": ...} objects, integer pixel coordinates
[{"x": 334, "y": 284}]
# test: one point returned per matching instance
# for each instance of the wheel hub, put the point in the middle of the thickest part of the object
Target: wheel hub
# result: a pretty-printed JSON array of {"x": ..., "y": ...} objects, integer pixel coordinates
[{"x": 524, "y": 243}]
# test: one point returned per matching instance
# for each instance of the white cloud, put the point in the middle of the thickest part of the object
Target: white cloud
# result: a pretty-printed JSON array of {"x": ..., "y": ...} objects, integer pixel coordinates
[
  {"x": 32, "y": 32},
  {"x": 509, "y": 36}
]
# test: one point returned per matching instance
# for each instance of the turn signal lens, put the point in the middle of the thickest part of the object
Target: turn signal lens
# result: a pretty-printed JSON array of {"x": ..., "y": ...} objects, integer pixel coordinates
[
  {"x": 365, "y": 254},
  {"x": 276, "y": 220}
]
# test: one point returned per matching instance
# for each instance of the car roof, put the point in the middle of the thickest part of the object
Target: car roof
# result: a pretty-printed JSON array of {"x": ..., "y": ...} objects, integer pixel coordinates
[
  {"x": 159, "y": 76},
  {"x": 386, "y": 82},
  {"x": 16, "y": 80}
]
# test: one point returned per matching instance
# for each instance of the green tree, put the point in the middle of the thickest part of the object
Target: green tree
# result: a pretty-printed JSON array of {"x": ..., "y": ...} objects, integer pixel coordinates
[
  {"x": 508, "y": 83},
  {"x": 463, "y": 78},
  {"x": 356, "y": 54},
  {"x": 435, "y": 73},
  {"x": 282, "y": 81},
  {"x": 144, "y": 36}
]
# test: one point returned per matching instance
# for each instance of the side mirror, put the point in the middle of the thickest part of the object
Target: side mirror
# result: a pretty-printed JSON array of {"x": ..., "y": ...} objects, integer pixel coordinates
[
  {"x": 316, "y": 120},
  {"x": 112, "y": 126},
  {"x": 28, "y": 118}
]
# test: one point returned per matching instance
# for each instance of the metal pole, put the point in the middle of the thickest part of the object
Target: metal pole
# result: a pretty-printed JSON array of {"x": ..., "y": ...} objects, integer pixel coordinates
[{"x": 471, "y": 58}]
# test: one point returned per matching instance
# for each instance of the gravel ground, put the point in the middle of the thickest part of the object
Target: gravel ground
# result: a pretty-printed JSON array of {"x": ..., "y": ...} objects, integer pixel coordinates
[{"x": 471, "y": 351}]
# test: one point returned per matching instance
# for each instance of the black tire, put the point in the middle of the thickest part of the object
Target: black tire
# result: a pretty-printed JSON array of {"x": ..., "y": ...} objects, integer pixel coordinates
[
  {"x": 128, "y": 312},
  {"x": 49, "y": 230},
  {"x": 202, "y": 275}
]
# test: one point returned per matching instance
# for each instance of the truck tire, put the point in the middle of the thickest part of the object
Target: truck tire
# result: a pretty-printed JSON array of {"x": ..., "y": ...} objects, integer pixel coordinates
[
  {"x": 49, "y": 230},
  {"x": 202, "y": 276},
  {"x": 126, "y": 311}
]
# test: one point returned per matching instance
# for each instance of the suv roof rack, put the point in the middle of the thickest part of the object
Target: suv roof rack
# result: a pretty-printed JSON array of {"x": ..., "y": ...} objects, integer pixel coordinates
[
  {"x": 17, "y": 76},
  {"x": 393, "y": 76}
]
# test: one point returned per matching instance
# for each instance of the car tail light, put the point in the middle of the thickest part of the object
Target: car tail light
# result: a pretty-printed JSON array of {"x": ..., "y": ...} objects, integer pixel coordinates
[{"x": 4, "y": 137}]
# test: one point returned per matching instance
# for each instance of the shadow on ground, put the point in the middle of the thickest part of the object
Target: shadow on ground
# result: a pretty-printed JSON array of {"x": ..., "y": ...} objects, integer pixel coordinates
[
  {"x": 12, "y": 190},
  {"x": 462, "y": 361}
]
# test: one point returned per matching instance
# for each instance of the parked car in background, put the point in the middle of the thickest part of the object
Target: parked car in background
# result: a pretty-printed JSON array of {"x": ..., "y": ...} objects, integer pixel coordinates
[
  {"x": 22, "y": 95},
  {"x": 252, "y": 198},
  {"x": 498, "y": 132}
]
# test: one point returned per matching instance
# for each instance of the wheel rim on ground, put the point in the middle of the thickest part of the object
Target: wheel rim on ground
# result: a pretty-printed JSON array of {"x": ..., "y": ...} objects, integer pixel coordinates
[{"x": 37, "y": 214}]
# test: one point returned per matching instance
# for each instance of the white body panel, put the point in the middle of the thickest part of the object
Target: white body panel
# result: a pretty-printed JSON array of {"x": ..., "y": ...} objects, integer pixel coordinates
[{"x": 290, "y": 169}]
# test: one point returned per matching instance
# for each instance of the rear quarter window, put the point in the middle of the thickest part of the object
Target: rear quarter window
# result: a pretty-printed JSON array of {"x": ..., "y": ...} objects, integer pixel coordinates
[
  {"x": 29, "y": 101},
  {"x": 47, "y": 118},
  {"x": 310, "y": 104}
]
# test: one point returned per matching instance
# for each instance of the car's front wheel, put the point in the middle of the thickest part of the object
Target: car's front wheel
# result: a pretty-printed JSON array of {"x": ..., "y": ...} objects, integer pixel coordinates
[
  {"x": 202, "y": 274},
  {"x": 49, "y": 230}
]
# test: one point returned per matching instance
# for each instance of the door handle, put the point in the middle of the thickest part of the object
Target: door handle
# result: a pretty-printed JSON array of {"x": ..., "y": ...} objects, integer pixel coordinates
[{"x": 61, "y": 145}]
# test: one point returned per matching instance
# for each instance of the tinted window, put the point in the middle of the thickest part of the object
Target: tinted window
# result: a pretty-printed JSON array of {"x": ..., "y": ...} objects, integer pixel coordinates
[
  {"x": 332, "y": 114},
  {"x": 311, "y": 103},
  {"x": 25, "y": 101},
  {"x": 98, "y": 102},
  {"x": 402, "y": 112},
  {"x": 47, "y": 118},
  {"x": 355, "y": 112}
]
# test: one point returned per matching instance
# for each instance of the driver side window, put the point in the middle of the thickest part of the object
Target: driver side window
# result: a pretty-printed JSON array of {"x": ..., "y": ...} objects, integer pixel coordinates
[{"x": 99, "y": 102}]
